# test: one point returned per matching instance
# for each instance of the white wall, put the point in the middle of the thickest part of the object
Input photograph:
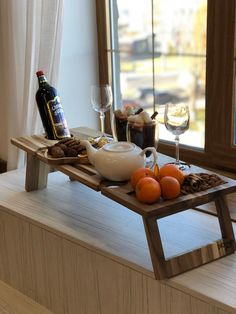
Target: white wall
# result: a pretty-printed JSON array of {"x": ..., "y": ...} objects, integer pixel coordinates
[{"x": 79, "y": 68}]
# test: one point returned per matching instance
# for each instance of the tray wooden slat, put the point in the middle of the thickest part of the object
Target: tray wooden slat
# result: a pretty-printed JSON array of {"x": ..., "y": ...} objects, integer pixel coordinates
[
  {"x": 93, "y": 181},
  {"x": 43, "y": 156},
  {"x": 124, "y": 196},
  {"x": 31, "y": 144}
]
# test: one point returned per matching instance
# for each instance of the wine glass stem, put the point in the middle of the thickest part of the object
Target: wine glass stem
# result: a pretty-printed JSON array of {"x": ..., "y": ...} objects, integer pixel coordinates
[
  {"x": 102, "y": 118},
  {"x": 177, "y": 149}
]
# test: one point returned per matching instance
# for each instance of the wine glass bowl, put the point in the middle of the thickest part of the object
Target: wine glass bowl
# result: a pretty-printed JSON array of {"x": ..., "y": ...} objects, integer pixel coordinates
[
  {"x": 176, "y": 119},
  {"x": 101, "y": 98}
]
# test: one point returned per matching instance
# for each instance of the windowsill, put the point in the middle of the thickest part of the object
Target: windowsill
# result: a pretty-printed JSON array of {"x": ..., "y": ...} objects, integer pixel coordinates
[{"x": 87, "y": 218}]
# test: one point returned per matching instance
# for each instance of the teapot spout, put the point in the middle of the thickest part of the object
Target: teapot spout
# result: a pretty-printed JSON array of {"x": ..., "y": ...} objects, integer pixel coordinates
[{"x": 91, "y": 151}]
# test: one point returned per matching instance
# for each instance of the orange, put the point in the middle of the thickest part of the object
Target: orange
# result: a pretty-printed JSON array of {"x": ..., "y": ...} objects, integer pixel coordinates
[
  {"x": 141, "y": 173},
  {"x": 148, "y": 190},
  {"x": 170, "y": 187},
  {"x": 172, "y": 171}
]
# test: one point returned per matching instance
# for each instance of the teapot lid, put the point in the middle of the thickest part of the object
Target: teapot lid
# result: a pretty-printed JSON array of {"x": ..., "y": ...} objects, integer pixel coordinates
[{"x": 119, "y": 147}]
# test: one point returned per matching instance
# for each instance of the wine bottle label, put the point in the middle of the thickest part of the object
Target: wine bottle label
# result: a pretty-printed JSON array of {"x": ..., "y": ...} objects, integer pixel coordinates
[{"x": 56, "y": 113}]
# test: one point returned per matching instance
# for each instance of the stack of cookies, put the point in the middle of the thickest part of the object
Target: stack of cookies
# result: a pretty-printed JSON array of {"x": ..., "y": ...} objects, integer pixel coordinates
[{"x": 67, "y": 148}]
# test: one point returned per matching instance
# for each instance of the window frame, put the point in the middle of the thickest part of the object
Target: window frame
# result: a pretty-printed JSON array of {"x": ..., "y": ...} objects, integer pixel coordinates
[{"x": 219, "y": 152}]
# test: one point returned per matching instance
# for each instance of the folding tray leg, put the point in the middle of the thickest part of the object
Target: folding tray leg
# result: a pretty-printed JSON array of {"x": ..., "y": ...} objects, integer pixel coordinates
[
  {"x": 155, "y": 247},
  {"x": 225, "y": 224},
  {"x": 36, "y": 173},
  {"x": 166, "y": 268}
]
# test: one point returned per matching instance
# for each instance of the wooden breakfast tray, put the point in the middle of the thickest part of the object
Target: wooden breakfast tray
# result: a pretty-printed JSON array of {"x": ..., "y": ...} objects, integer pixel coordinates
[{"x": 37, "y": 170}]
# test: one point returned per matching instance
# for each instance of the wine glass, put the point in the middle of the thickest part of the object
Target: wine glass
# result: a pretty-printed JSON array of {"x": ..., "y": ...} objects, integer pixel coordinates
[
  {"x": 176, "y": 120},
  {"x": 101, "y": 98}
]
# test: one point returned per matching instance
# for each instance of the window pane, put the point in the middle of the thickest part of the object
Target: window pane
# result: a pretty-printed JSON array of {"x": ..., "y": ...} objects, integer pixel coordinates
[
  {"x": 177, "y": 72},
  {"x": 132, "y": 42},
  {"x": 180, "y": 33}
]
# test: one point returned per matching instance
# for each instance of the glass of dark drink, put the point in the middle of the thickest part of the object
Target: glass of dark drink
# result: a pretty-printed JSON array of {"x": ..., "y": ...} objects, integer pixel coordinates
[
  {"x": 143, "y": 131},
  {"x": 119, "y": 124},
  {"x": 120, "y": 119}
]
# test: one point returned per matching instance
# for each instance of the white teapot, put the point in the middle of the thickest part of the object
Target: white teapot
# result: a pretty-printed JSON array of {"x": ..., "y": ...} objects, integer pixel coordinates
[{"x": 116, "y": 161}]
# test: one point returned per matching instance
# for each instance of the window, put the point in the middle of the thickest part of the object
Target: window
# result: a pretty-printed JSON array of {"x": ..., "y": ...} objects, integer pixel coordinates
[
  {"x": 204, "y": 56},
  {"x": 157, "y": 61},
  {"x": 78, "y": 66}
]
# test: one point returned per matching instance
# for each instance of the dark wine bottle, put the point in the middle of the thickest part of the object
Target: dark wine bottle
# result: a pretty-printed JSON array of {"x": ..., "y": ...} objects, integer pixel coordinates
[{"x": 50, "y": 109}]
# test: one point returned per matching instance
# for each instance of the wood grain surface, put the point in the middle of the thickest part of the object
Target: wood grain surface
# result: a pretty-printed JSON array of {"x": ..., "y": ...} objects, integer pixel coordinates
[
  {"x": 49, "y": 159},
  {"x": 211, "y": 208},
  {"x": 60, "y": 249},
  {"x": 14, "y": 302}
]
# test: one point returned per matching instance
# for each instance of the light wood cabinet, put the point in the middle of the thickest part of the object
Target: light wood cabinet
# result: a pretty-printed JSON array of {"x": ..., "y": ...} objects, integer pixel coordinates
[{"x": 74, "y": 251}]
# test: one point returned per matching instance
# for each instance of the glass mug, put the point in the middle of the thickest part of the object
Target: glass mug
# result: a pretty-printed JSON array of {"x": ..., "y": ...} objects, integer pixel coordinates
[
  {"x": 146, "y": 135},
  {"x": 118, "y": 126}
]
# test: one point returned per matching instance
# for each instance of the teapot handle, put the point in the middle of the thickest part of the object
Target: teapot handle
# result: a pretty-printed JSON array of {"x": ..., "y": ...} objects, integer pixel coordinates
[{"x": 154, "y": 153}]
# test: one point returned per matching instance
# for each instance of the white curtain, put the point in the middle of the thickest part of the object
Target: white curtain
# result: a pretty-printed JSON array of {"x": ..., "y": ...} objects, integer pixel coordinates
[{"x": 30, "y": 40}]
